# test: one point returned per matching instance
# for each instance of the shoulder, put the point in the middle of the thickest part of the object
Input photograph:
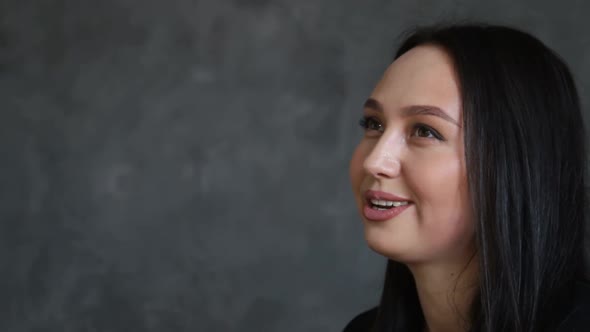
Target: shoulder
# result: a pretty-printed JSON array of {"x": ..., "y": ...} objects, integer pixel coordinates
[
  {"x": 362, "y": 322},
  {"x": 578, "y": 318}
]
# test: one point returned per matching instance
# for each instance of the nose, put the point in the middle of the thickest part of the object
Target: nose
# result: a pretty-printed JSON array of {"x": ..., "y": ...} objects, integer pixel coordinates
[{"x": 384, "y": 160}]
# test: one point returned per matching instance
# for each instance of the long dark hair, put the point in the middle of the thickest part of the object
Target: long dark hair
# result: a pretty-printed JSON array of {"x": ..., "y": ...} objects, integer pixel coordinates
[{"x": 525, "y": 158}]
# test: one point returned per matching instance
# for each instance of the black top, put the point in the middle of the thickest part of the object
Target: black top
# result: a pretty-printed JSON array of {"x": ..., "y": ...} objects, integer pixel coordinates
[{"x": 578, "y": 320}]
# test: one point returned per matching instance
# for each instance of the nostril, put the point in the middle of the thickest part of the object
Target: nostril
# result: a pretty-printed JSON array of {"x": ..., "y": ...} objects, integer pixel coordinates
[{"x": 382, "y": 175}]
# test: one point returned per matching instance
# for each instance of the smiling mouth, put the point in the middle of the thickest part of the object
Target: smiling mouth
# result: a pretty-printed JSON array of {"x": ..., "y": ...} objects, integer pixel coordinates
[
  {"x": 379, "y": 204},
  {"x": 383, "y": 210}
]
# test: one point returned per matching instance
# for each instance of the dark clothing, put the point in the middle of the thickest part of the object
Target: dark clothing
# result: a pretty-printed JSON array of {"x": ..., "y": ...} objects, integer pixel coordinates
[{"x": 578, "y": 320}]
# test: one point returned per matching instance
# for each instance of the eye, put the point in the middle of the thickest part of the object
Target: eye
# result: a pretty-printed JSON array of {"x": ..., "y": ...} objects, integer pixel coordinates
[
  {"x": 370, "y": 123},
  {"x": 423, "y": 131}
]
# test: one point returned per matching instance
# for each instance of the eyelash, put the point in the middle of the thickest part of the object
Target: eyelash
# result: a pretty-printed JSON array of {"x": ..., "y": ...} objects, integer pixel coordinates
[{"x": 367, "y": 121}]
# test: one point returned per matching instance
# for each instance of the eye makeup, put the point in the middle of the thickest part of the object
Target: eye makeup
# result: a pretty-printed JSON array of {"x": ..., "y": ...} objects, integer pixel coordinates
[{"x": 420, "y": 130}]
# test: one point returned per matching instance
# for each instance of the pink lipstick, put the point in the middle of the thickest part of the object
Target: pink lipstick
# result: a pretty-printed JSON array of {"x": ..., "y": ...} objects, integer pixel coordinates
[{"x": 387, "y": 207}]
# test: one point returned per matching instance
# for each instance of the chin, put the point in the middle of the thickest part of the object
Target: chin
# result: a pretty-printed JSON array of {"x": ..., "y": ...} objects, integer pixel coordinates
[{"x": 383, "y": 243}]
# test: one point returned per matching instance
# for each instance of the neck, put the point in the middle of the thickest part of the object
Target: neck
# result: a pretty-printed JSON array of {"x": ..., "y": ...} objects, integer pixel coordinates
[{"x": 445, "y": 292}]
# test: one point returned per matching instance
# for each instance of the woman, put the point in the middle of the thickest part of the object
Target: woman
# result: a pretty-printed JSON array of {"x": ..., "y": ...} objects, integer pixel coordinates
[{"x": 470, "y": 180}]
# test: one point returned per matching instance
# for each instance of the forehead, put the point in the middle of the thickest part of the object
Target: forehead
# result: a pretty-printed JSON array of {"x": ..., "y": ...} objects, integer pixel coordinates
[{"x": 422, "y": 76}]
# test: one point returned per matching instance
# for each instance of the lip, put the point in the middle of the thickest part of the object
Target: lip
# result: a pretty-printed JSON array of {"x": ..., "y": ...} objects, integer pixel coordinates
[
  {"x": 374, "y": 194},
  {"x": 382, "y": 215}
]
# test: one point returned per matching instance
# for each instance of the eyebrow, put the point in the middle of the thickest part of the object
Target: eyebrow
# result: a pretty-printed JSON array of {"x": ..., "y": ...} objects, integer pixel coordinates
[{"x": 411, "y": 110}]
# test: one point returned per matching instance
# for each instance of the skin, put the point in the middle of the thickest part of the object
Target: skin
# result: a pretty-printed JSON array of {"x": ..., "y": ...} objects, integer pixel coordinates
[{"x": 420, "y": 156}]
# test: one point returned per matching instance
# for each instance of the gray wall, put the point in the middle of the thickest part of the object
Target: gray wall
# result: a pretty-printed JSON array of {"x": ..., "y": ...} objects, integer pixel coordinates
[{"x": 182, "y": 165}]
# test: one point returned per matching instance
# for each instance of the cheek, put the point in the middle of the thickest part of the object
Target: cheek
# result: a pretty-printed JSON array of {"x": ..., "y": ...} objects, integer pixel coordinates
[
  {"x": 356, "y": 170},
  {"x": 441, "y": 190},
  {"x": 436, "y": 179}
]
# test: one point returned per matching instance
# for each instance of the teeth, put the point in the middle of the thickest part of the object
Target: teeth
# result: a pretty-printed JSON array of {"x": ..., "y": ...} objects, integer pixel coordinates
[{"x": 388, "y": 203}]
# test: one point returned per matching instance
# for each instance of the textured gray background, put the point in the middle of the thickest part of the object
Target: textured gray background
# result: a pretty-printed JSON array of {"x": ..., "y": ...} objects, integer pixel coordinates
[{"x": 182, "y": 165}]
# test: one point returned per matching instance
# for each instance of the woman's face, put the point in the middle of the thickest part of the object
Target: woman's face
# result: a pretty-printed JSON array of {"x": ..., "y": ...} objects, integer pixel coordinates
[{"x": 412, "y": 154}]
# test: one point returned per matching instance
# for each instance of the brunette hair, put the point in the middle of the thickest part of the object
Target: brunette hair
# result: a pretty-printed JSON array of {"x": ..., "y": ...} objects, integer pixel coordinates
[{"x": 525, "y": 159}]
